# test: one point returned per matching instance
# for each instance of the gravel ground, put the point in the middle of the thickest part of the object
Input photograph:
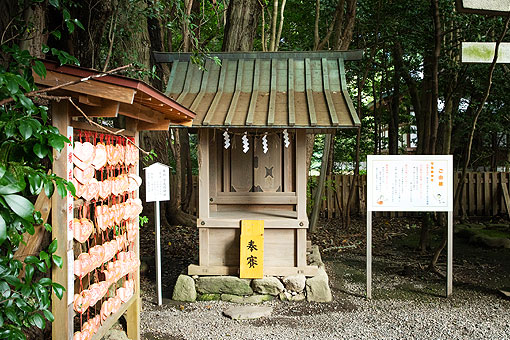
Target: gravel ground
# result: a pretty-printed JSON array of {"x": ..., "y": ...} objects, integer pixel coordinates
[
  {"x": 408, "y": 302},
  {"x": 413, "y": 312}
]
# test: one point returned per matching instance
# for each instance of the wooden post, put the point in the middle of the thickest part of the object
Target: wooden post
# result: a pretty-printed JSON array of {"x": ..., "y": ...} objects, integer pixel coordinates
[
  {"x": 62, "y": 327},
  {"x": 133, "y": 312},
  {"x": 301, "y": 174},
  {"x": 203, "y": 174}
]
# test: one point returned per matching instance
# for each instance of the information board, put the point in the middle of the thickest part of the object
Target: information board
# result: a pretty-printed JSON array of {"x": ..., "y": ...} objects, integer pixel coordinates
[
  {"x": 410, "y": 183},
  {"x": 157, "y": 183}
]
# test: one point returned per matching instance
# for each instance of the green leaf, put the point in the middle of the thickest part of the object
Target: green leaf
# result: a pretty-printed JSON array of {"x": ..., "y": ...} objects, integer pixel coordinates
[
  {"x": 35, "y": 182},
  {"x": 48, "y": 187},
  {"x": 41, "y": 266},
  {"x": 79, "y": 24},
  {"x": 3, "y": 230},
  {"x": 26, "y": 290},
  {"x": 1, "y": 321},
  {"x": 47, "y": 226},
  {"x": 10, "y": 184},
  {"x": 12, "y": 85},
  {"x": 43, "y": 255},
  {"x": 31, "y": 259},
  {"x": 71, "y": 188},
  {"x": 22, "y": 82},
  {"x": 61, "y": 189},
  {"x": 58, "y": 141},
  {"x": 54, "y": 3},
  {"x": 20, "y": 205},
  {"x": 12, "y": 280},
  {"x": 11, "y": 315},
  {"x": 2, "y": 170},
  {"x": 70, "y": 26},
  {"x": 49, "y": 316},
  {"x": 40, "y": 150},
  {"x": 66, "y": 14},
  {"x": 25, "y": 129},
  {"x": 58, "y": 289},
  {"x": 57, "y": 260},
  {"x": 5, "y": 290},
  {"x": 53, "y": 246},
  {"x": 29, "y": 273},
  {"x": 56, "y": 34},
  {"x": 45, "y": 48},
  {"x": 45, "y": 281},
  {"x": 26, "y": 102},
  {"x": 38, "y": 320},
  {"x": 39, "y": 68}
]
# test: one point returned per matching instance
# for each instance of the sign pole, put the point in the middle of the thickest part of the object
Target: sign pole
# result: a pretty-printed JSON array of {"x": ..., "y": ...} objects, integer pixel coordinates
[
  {"x": 158, "y": 254},
  {"x": 449, "y": 265},
  {"x": 157, "y": 189},
  {"x": 369, "y": 254}
]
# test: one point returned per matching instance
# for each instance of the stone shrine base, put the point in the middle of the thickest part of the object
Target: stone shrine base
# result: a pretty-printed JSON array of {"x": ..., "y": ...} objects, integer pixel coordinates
[{"x": 233, "y": 289}]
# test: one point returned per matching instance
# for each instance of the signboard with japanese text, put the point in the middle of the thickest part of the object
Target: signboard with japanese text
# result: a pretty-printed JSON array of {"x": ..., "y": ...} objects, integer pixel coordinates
[
  {"x": 157, "y": 183},
  {"x": 410, "y": 183},
  {"x": 487, "y": 7},
  {"x": 252, "y": 249}
]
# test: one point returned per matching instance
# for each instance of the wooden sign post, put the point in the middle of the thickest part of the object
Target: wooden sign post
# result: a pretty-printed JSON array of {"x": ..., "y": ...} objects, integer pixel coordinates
[
  {"x": 157, "y": 189},
  {"x": 410, "y": 183},
  {"x": 252, "y": 249}
]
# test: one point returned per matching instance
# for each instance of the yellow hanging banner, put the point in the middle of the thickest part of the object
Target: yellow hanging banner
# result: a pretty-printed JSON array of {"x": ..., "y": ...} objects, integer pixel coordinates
[{"x": 252, "y": 249}]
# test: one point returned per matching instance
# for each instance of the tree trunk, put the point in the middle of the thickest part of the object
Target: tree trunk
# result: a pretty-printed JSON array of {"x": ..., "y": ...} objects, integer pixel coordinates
[
  {"x": 241, "y": 27},
  {"x": 37, "y": 35},
  {"x": 393, "y": 132}
]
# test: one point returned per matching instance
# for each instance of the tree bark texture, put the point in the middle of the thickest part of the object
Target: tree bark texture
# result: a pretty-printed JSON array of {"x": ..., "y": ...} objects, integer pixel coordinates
[{"x": 241, "y": 27}]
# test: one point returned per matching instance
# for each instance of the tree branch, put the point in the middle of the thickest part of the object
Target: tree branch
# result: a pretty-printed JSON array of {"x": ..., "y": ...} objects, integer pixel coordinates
[{"x": 95, "y": 76}]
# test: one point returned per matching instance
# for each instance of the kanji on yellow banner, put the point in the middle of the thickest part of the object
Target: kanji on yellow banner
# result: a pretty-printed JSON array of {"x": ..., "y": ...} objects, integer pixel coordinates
[{"x": 252, "y": 249}]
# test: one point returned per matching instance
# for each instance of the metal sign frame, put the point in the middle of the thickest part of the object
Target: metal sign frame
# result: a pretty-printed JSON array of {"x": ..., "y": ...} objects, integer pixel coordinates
[{"x": 449, "y": 208}]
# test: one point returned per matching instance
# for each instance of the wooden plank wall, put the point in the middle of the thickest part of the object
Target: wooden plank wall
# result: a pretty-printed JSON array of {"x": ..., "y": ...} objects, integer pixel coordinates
[{"x": 483, "y": 195}]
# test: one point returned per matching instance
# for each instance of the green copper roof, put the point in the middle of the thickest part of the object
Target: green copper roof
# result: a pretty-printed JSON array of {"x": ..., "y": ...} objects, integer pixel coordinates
[{"x": 265, "y": 89}]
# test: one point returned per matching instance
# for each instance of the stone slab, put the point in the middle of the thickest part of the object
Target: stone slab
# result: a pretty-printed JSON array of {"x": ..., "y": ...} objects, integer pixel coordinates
[
  {"x": 248, "y": 312},
  {"x": 223, "y": 285}
]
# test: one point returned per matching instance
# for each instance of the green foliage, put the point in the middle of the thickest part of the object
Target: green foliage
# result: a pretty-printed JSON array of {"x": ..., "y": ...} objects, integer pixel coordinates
[{"x": 27, "y": 141}]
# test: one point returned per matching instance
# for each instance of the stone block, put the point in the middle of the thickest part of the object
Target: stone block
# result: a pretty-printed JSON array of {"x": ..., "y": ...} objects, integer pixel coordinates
[
  {"x": 317, "y": 288},
  {"x": 223, "y": 285},
  {"x": 295, "y": 283},
  {"x": 267, "y": 285},
  {"x": 184, "y": 289}
]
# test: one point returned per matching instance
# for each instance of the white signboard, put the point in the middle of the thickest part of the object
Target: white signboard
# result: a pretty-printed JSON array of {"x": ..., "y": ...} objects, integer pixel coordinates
[
  {"x": 488, "y": 5},
  {"x": 157, "y": 183},
  {"x": 410, "y": 183}
]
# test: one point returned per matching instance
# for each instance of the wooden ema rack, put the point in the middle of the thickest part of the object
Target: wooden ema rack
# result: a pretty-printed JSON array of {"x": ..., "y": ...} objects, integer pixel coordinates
[{"x": 67, "y": 320}]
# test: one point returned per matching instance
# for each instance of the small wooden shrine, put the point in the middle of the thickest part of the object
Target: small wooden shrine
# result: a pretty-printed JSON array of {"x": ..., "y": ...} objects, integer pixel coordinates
[
  {"x": 252, "y": 116},
  {"x": 97, "y": 230}
]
